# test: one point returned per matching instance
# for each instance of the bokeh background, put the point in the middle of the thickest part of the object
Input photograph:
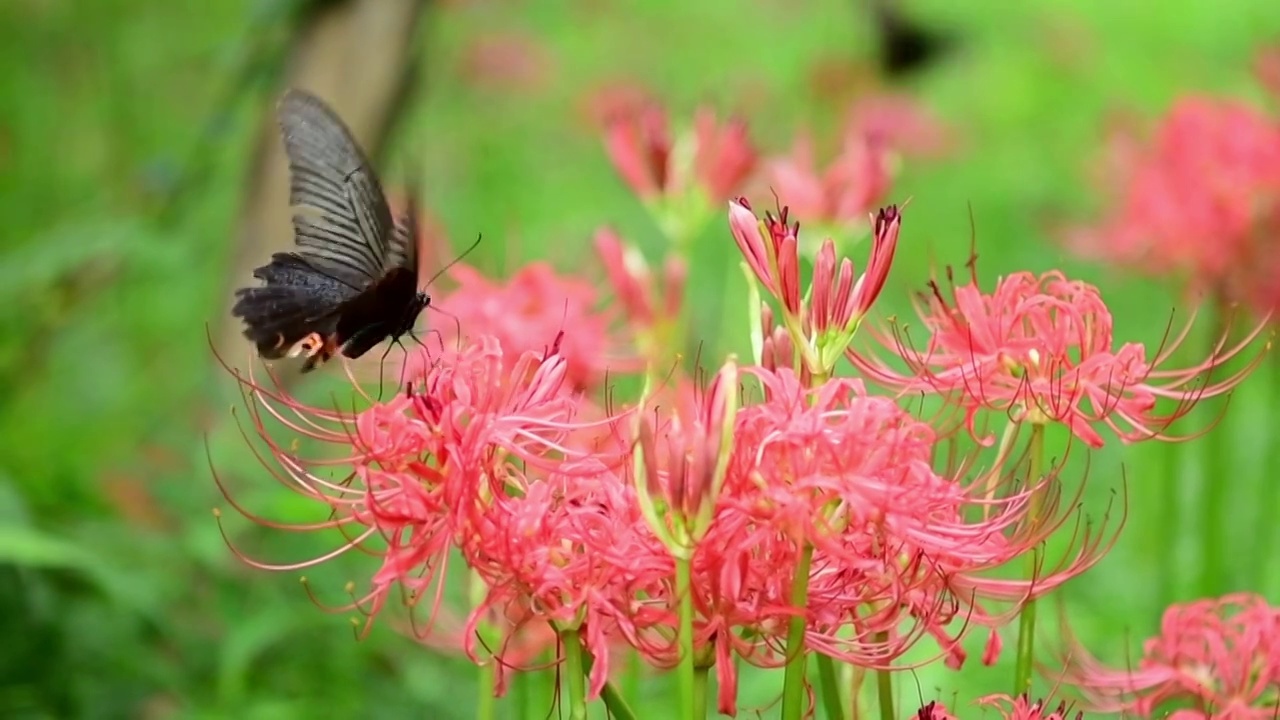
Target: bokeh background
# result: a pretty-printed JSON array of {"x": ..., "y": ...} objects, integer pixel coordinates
[{"x": 131, "y": 141}]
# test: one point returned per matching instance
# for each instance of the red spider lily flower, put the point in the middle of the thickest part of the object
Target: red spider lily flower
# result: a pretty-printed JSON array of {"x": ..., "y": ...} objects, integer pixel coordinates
[
  {"x": 838, "y": 302},
  {"x": 632, "y": 282},
  {"x": 823, "y": 326},
  {"x": 896, "y": 551},
  {"x": 934, "y": 711},
  {"x": 522, "y": 312},
  {"x": 1022, "y": 708},
  {"x": 571, "y": 550},
  {"x": 1221, "y": 656},
  {"x": 417, "y": 463},
  {"x": 683, "y": 457},
  {"x": 514, "y": 640},
  {"x": 723, "y": 156},
  {"x": 640, "y": 144},
  {"x": 769, "y": 247},
  {"x": 1041, "y": 349},
  {"x": 839, "y": 195},
  {"x": 1211, "y": 171}
]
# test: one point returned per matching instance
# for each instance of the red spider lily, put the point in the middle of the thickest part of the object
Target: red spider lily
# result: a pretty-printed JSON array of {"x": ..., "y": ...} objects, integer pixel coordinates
[
  {"x": 506, "y": 60},
  {"x": 639, "y": 142},
  {"x": 897, "y": 553},
  {"x": 1022, "y": 708},
  {"x": 1202, "y": 199},
  {"x": 841, "y": 194},
  {"x": 572, "y": 550},
  {"x": 934, "y": 711},
  {"x": 1221, "y": 656},
  {"x": 522, "y": 312},
  {"x": 823, "y": 324},
  {"x": 1041, "y": 349},
  {"x": 633, "y": 286},
  {"x": 420, "y": 462},
  {"x": 683, "y": 457}
]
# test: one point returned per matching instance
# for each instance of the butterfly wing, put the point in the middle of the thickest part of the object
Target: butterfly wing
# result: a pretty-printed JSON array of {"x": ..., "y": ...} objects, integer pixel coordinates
[
  {"x": 344, "y": 224},
  {"x": 296, "y": 303}
]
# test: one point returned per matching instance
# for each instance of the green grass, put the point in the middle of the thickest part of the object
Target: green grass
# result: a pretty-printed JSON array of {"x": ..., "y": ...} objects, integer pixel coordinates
[{"x": 119, "y": 610}]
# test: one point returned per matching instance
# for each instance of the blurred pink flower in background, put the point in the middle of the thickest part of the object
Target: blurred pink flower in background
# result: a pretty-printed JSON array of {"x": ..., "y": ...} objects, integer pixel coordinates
[
  {"x": 905, "y": 124},
  {"x": 506, "y": 60},
  {"x": 639, "y": 141},
  {"x": 842, "y": 191},
  {"x": 522, "y": 312},
  {"x": 1220, "y": 656},
  {"x": 1200, "y": 200}
]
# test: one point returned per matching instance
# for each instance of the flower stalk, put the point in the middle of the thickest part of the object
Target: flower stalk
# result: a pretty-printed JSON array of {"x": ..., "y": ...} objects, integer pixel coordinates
[
  {"x": 1027, "y": 615},
  {"x": 793, "y": 695},
  {"x": 575, "y": 674}
]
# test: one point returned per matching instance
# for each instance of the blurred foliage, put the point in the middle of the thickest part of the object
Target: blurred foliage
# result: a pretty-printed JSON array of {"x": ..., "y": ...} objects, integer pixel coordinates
[{"x": 125, "y": 126}]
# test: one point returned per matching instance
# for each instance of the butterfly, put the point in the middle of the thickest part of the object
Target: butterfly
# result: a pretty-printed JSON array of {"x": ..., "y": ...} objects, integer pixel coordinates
[{"x": 355, "y": 278}]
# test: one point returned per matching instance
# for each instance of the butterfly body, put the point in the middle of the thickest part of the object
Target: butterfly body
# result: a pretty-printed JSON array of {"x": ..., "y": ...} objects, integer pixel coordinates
[{"x": 354, "y": 279}]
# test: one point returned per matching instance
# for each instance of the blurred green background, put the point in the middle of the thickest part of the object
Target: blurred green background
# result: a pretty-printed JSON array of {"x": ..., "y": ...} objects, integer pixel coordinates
[{"x": 124, "y": 148}]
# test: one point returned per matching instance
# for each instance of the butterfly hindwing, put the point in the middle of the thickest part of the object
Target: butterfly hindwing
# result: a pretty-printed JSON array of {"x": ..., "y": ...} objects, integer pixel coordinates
[{"x": 296, "y": 302}]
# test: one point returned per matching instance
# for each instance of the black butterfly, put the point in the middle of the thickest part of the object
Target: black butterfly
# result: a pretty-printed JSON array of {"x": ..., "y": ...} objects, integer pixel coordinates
[{"x": 354, "y": 280}]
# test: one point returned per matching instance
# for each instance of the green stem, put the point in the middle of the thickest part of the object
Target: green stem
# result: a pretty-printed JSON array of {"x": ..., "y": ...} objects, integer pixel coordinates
[
  {"x": 1026, "y": 646},
  {"x": 521, "y": 698},
  {"x": 830, "y": 685},
  {"x": 616, "y": 704},
  {"x": 793, "y": 695},
  {"x": 1169, "y": 525},
  {"x": 1269, "y": 492},
  {"x": 575, "y": 674},
  {"x": 884, "y": 690},
  {"x": 631, "y": 678},
  {"x": 485, "y": 701},
  {"x": 1027, "y": 616},
  {"x": 613, "y": 700},
  {"x": 1213, "y": 495},
  {"x": 685, "y": 671},
  {"x": 700, "y": 692}
]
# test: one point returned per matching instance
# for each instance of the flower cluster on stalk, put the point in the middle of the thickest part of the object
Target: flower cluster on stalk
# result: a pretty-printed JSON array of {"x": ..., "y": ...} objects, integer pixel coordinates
[{"x": 576, "y": 513}]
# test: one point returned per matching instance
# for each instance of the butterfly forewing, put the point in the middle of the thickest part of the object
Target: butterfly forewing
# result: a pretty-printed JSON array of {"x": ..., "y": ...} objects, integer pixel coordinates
[{"x": 344, "y": 219}]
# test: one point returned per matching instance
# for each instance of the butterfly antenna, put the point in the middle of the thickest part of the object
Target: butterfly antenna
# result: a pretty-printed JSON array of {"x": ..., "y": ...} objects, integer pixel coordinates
[{"x": 456, "y": 260}]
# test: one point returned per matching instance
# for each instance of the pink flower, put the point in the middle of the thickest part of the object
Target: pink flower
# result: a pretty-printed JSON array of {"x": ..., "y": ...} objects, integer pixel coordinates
[
  {"x": 901, "y": 122},
  {"x": 723, "y": 156},
  {"x": 840, "y": 194},
  {"x": 1221, "y": 656},
  {"x": 506, "y": 61},
  {"x": 570, "y": 549},
  {"x": 645, "y": 303},
  {"x": 685, "y": 451},
  {"x": 934, "y": 711},
  {"x": 1201, "y": 199},
  {"x": 1022, "y": 708},
  {"x": 641, "y": 146},
  {"x": 522, "y": 312},
  {"x": 1041, "y": 349},
  {"x": 417, "y": 465},
  {"x": 822, "y": 326}
]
